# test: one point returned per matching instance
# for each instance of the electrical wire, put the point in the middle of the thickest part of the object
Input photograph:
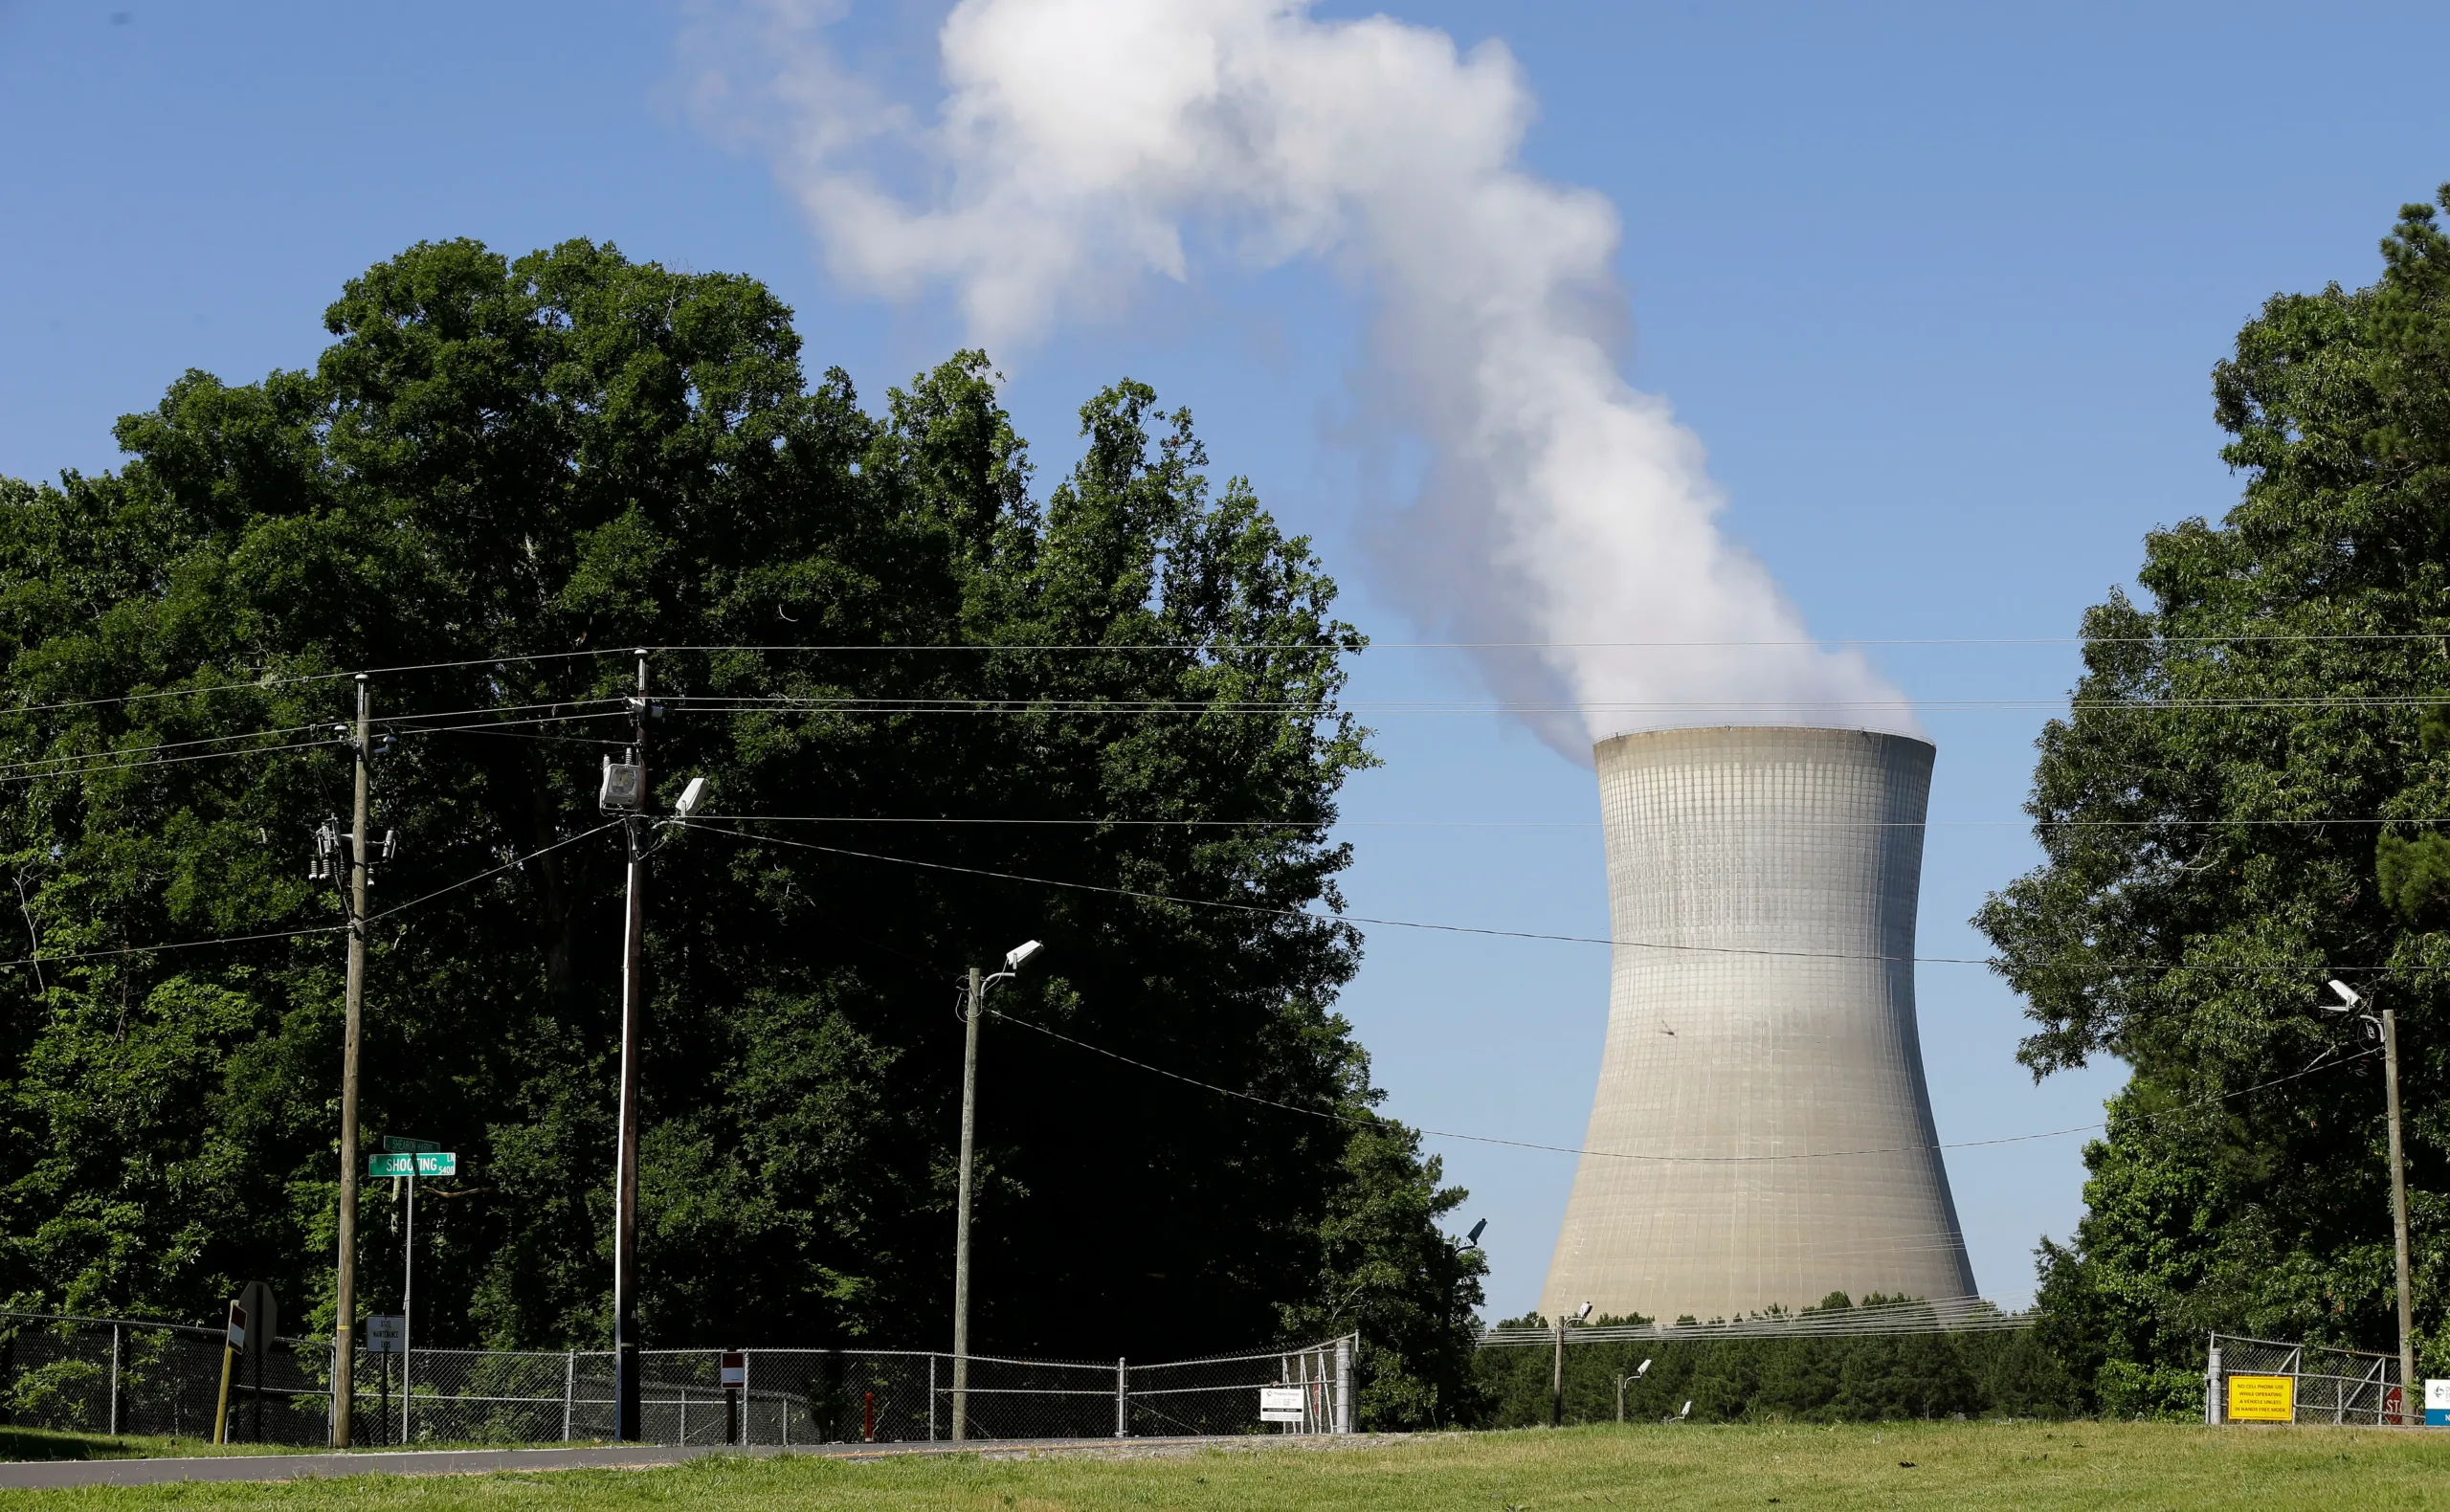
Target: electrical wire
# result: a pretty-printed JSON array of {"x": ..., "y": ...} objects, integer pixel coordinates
[
  {"x": 1552, "y": 824},
  {"x": 1343, "y": 919},
  {"x": 44, "y": 957},
  {"x": 1681, "y": 1160},
  {"x": 512, "y": 864},
  {"x": 521, "y": 659}
]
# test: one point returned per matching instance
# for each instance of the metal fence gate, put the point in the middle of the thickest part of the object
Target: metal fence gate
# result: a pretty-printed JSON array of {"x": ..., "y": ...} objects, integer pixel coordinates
[
  {"x": 121, "y": 1376},
  {"x": 2327, "y": 1384}
]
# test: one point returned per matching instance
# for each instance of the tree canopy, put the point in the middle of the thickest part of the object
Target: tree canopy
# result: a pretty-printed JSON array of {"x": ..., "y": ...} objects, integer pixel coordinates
[
  {"x": 940, "y": 714},
  {"x": 2249, "y": 796}
]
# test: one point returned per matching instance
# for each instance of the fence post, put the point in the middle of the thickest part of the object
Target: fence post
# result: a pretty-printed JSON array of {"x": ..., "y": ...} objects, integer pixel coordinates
[
  {"x": 931, "y": 1398},
  {"x": 570, "y": 1393},
  {"x": 114, "y": 1378},
  {"x": 1122, "y": 1401},
  {"x": 2211, "y": 1384},
  {"x": 1343, "y": 1384}
]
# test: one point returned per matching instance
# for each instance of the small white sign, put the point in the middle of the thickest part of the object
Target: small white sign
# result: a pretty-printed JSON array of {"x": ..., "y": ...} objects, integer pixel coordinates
[
  {"x": 238, "y": 1327},
  {"x": 1281, "y": 1404},
  {"x": 2437, "y": 1394},
  {"x": 734, "y": 1368},
  {"x": 385, "y": 1332}
]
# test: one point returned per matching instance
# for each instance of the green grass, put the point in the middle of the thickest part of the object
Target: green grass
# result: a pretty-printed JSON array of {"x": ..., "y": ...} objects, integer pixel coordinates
[
  {"x": 44, "y": 1443},
  {"x": 2028, "y": 1465}
]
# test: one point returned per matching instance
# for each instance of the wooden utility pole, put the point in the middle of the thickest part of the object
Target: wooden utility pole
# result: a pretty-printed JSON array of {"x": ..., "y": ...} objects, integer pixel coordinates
[
  {"x": 2410, "y": 1407},
  {"x": 1557, "y": 1379},
  {"x": 628, "y": 1412},
  {"x": 971, "y": 1012},
  {"x": 345, "y": 1298}
]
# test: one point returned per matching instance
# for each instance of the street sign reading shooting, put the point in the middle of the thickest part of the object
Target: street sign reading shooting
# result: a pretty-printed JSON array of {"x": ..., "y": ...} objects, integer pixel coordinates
[{"x": 429, "y": 1163}]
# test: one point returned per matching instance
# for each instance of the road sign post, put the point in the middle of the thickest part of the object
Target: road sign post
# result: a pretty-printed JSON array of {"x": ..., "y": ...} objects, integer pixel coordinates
[
  {"x": 734, "y": 1374},
  {"x": 411, "y": 1158},
  {"x": 232, "y": 1340}
]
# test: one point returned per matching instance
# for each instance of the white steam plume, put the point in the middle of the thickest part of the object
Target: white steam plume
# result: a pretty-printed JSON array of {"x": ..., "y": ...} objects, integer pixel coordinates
[{"x": 1079, "y": 142}]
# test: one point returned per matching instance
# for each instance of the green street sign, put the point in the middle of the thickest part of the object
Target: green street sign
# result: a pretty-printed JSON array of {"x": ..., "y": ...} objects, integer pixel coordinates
[
  {"x": 424, "y": 1163},
  {"x": 401, "y": 1144}
]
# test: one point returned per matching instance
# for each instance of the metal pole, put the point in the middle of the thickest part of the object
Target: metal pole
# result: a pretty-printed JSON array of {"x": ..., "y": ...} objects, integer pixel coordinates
[
  {"x": 628, "y": 1415},
  {"x": 569, "y": 1393},
  {"x": 931, "y": 1401},
  {"x": 345, "y": 1295},
  {"x": 115, "y": 1354},
  {"x": 408, "y": 1296},
  {"x": 2399, "y": 1212},
  {"x": 1343, "y": 1383},
  {"x": 961, "y": 1221},
  {"x": 1121, "y": 1400},
  {"x": 1558, "y": 1380},
  {"x": 2212, "y": 1382}
]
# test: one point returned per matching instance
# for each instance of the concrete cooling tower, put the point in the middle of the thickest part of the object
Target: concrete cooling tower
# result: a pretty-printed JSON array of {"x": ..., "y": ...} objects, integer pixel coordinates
[{"x": 1762, "y": 1134}]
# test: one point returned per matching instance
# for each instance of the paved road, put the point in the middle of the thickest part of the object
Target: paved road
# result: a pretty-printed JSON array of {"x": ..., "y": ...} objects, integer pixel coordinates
[{"x": 49, "y": 1473}]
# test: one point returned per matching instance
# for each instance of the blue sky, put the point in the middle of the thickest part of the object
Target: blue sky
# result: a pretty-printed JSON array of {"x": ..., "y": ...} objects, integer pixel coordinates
[{"x": 1940, "y": 286}]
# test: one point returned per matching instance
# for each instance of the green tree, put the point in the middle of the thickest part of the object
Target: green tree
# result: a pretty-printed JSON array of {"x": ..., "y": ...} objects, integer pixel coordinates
[
  {"x": 1111, "y": 713},
  {"x": 2209, "y": 818}
]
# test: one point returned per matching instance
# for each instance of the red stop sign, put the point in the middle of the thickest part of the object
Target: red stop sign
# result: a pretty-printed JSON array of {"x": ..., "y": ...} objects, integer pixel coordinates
[{"x": 2395, "y": 1404}]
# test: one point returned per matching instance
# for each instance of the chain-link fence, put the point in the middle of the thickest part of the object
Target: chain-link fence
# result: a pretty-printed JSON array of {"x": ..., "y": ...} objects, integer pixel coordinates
[
  {"x": 114, "y": 1376},
  {"x": 2263, "y": 1380}
]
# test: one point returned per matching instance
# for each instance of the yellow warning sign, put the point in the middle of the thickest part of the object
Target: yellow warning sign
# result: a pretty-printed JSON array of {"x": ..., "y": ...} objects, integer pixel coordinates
[{"x": 2262, "y": 1398}]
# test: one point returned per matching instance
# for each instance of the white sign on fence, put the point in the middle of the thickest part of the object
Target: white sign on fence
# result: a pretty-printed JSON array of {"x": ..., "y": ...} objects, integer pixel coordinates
[
  {"x": 384, "y": 1332},
  {"x": 1281, "y": 1404}
]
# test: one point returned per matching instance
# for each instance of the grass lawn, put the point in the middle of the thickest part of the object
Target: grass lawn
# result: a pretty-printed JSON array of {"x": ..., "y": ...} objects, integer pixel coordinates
[
  {"x": 2023, "y": 1465},
  {"x": 43, "y": 1443}
]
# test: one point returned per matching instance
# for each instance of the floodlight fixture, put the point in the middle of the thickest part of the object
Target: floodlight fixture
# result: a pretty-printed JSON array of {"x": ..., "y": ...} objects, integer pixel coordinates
[
  {"x": 2349, "y": 996},
  {"x": 690, "y": 797},
  {"x": 1478, "y": 1228},
  {"x": 1585, "y": 1312},
  {"x": 1641, "y": 1370},
  {"x": 1019, "y": 953}
]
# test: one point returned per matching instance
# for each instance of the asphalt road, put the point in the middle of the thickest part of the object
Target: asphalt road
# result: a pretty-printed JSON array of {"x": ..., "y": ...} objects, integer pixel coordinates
[{"x": 38, "y": 1474}]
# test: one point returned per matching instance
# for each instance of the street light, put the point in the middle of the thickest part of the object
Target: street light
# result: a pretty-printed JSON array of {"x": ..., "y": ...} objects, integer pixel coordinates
[
  {"x": 1558, "y": 1380},
  {"x": 624, "y": 793},
  {"x": 1640, "y": 1371},
  {"x": 2385, "y": 1027},
  {"x": 973, "y": 1008}
]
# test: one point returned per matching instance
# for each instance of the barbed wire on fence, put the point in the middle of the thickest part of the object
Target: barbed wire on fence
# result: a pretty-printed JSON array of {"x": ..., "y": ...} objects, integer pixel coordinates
[{"x": 124, "y": 1376}]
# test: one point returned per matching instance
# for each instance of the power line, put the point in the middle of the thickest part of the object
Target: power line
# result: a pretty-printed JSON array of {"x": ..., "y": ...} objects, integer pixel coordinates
[
  {"x": 1552, "y": 824},
  {"x": 46, "y": 958},
  {"x": 1342, "y": 919},
  {"x": 1684, "y": 1160},
  {"x": 520, "y": 658}
]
